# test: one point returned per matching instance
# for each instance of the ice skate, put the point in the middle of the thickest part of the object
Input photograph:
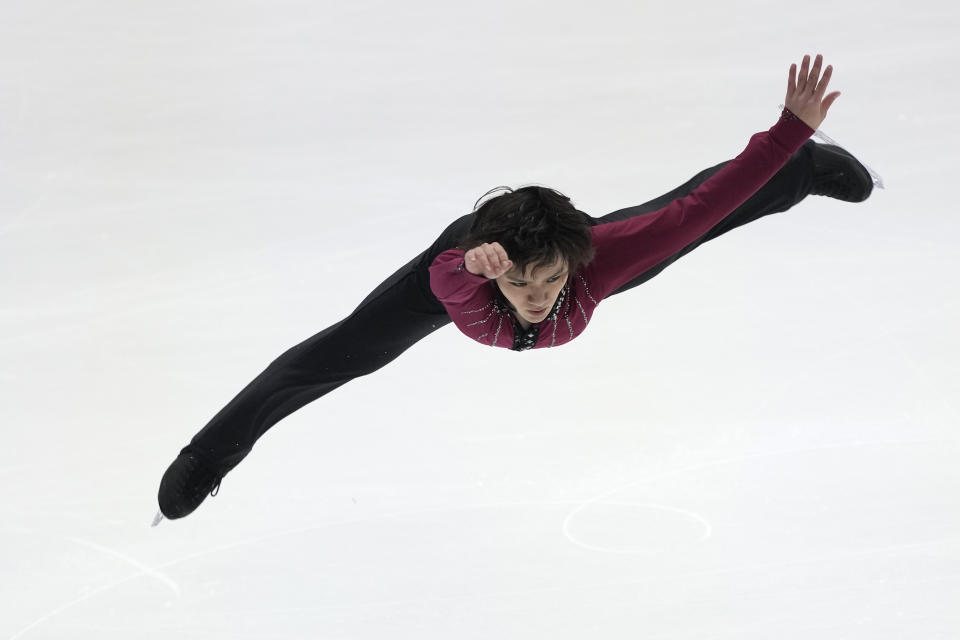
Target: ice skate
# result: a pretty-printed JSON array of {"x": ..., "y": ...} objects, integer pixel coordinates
[
  {"x": 187, "y": 482},
  {"x": 837, "y": 174}
]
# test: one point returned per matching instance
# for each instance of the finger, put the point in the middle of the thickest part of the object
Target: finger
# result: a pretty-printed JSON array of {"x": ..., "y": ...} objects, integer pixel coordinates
[
  {"x": 815, "y": 72},
  {"x": 505, "y": 262},
  {"x": 824, "y": 81},
  {"x": 491, "y": 255},
  {"x": 488, "y": 270},
  {"x": 493, "y": 250},
  {"x": 501, "y": 258},
  {"x": 791, "y": 80},
  {"x": 804, "y": 73},
  {"x": 828, "y": 102},
  {"x": 483, "y": 261}
]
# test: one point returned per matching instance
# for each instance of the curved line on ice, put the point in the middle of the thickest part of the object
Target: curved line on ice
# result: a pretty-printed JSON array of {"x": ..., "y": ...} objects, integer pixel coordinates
[
  {"x": 144, "y": 569},
  {"x": 707, "y": 527},
  {"x": 580, "y": 506}
]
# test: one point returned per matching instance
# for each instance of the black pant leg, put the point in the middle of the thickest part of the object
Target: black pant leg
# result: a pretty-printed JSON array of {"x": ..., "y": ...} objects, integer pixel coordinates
[
  {"x": 785, "y": 189},
  {"x": 391, "y": 319}
]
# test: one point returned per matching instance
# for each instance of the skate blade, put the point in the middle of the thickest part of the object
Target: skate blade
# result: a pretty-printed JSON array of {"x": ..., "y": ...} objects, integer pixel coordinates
[{"x": 157, "y": 519}]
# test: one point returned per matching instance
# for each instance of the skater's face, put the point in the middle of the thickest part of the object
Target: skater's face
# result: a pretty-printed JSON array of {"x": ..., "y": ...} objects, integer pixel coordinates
[{"x": 533, "y": 292}]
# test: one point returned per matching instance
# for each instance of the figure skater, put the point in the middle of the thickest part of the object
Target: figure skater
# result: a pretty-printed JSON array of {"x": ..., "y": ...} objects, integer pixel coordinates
[{"x": 527, "y": 270}]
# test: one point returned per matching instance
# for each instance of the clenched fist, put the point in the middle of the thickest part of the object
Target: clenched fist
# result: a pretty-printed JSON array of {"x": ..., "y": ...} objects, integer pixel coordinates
[{"x": 488, "y": 260}]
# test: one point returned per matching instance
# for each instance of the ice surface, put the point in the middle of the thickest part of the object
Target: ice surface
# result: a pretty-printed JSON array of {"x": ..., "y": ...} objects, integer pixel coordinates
[{"x": 187, "y": 189}]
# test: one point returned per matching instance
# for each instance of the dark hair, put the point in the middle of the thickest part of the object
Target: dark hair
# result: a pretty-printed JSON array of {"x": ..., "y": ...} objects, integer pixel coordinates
[{"x": 535, "y": 225}]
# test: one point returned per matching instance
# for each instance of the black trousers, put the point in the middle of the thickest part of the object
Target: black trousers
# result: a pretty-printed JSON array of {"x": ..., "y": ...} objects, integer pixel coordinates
[{"x": 402, "y": 311}]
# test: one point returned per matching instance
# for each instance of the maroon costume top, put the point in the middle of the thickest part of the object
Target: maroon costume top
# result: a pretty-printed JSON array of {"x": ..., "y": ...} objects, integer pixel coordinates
[{"x": 623, "y": 250}]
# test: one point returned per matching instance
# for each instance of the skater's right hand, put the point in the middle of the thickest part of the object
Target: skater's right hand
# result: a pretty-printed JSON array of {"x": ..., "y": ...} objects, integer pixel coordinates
[{"x": 488, "y": 260}]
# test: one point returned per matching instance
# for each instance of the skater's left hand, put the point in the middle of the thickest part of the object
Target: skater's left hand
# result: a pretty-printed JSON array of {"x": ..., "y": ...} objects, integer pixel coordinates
[{"x": 805, "y": 92}]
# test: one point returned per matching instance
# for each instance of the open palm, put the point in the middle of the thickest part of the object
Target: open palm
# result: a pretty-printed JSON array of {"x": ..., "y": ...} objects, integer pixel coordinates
[{"x": 805, "y": 92}]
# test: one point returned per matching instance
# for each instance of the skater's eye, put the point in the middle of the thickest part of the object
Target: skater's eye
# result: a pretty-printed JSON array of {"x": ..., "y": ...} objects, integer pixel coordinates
[{"x": 550, "y": 279}]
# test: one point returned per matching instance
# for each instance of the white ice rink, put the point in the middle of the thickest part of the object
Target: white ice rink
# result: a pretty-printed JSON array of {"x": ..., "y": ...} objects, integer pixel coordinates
[{"x": 762, "y": 443}]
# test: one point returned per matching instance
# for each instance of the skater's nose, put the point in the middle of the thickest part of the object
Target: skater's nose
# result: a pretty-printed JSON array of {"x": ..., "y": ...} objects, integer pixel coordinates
[{"x": 539, "y": 296}]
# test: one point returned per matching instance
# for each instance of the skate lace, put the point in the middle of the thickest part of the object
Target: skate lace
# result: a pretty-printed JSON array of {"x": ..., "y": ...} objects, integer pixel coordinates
[{"x": 216, "y": 487}]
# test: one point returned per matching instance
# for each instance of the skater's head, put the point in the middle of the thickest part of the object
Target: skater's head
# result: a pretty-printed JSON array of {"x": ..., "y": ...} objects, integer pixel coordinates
[
  {"x": 537, "y": 226},
  {"x": 545, "y": 237}
]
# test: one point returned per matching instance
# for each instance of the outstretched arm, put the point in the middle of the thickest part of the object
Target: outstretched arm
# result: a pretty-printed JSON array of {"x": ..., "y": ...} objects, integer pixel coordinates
[{"x": 627, "y": 248}]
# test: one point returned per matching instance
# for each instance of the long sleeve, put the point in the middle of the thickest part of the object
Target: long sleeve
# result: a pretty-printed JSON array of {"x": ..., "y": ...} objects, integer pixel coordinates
[
  {"x": 470, "y": 300},
  {"x": 627, "y": 248}
]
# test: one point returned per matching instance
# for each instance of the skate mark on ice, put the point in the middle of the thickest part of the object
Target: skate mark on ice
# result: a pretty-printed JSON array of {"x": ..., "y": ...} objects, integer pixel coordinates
[
  {"x": 930, "y": 379},
  {"x": 14, "y": 223},
  {"x": 818, "y": 363},
  {"x": 144, "y": 569},
  {"x": 155, "y": 572},
  {"x": 700, "y": 520},
  {"x": 708, "y": 528}
]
